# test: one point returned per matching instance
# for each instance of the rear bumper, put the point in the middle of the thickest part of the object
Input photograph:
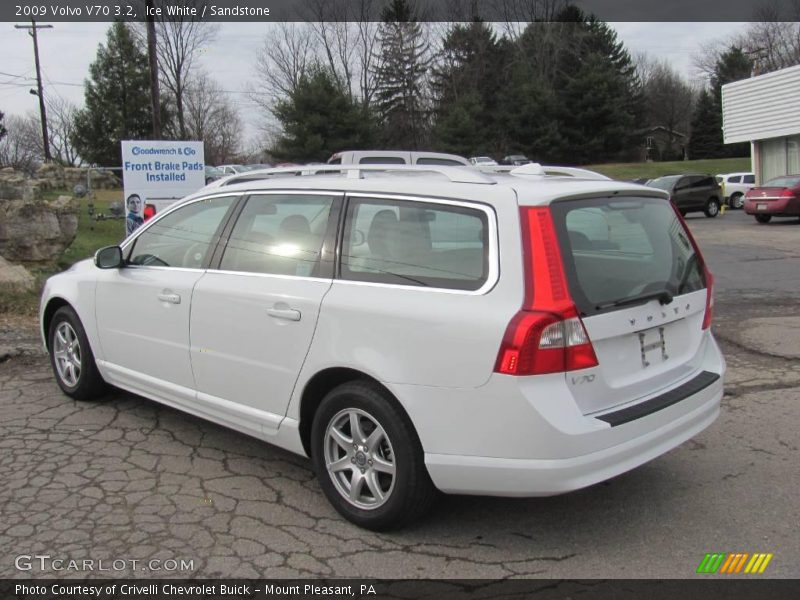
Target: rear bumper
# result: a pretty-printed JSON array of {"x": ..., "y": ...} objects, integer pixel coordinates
[
  {"x": 783, "y": 207},
  {"x": 527, "y": 437},
  {"x": 536, "y": 477}
]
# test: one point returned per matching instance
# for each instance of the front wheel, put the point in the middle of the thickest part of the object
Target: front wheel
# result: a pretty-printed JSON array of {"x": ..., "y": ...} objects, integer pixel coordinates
[
  {"x": 712, "y": 208},
  {"x": 368, "y": 458},
  {"x": 71, "y": 357},
  {"x": 763, "y": 218},
  {"x": 736, "y": 201}
]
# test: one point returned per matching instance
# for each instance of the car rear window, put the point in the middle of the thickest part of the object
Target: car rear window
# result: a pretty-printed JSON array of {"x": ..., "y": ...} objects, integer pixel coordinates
[
  {"x": 442, "y": 162},
  {"x": 623, "y": 251},
  {"x": 783, "y": 181},
  {"x": 415, "y": 243}
]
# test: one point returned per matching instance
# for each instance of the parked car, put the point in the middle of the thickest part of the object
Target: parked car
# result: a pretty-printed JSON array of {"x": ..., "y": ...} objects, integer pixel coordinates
[
  {"x": 256, "y": 167},
  {"x": 691, "y": 193},
  {"x": 213, "y": 173},
  {"x": 735, "y": 186},
  {"x": 778, "y": 197},
  {"x": 641, "y": 180},
  {"x": 510, "y": 335},
  {"x": 483, "y": 161},
  {"x": 396, "y": 157},
  {"x": 516, "y": 160},
  {"x": 232, "y": 169}
]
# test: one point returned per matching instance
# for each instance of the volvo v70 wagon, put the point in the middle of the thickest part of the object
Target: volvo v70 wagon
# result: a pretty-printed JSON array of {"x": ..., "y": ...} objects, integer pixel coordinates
[{"x": 412, "y": 330}]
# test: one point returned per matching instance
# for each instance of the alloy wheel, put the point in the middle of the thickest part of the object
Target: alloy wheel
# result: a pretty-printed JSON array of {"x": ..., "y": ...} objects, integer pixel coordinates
[
  {"x": 67, "y": 354},
  {"x": 359, "y": 458}
]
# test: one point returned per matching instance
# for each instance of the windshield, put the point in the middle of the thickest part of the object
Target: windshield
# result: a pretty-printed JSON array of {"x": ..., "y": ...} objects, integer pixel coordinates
[
  {"x": 786, "y": 181},
  {"x": 664, "y": 183},
  {"x": 624, "y": 251}
]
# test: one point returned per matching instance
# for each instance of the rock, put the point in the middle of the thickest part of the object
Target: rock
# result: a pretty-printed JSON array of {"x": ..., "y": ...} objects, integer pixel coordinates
[
  {"x": 37, "y": 231},
  {"x": 15, "y": 278}
]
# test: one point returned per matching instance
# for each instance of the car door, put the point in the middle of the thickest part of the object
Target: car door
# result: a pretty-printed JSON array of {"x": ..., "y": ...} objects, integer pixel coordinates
[
  {"x": 253, "y": 317},
  {"x": 143, "y": 308}
]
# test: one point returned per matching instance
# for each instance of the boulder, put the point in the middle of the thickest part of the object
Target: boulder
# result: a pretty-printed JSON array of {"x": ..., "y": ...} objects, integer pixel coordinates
[
  {"x": 15, "y": 278},
  {"x": 37, "y": 232}
]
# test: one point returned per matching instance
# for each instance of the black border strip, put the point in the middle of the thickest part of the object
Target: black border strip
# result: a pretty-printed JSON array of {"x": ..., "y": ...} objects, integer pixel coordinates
[{"x": 690, "y": 388}]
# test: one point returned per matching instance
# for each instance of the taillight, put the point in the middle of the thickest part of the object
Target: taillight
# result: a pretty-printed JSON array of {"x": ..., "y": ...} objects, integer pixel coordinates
[
  {"x": 708, "y": 278},
  {"x": 546, "y": 335},
  {"x": 149, "y": 211},
  {"x": 709, "y": 314}
]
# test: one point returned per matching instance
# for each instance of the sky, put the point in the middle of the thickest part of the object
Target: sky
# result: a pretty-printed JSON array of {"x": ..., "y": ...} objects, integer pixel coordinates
[{"x": 67, "y": 50}]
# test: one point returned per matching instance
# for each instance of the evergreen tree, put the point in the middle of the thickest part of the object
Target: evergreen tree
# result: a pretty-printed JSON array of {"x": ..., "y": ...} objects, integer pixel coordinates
[
  {"x": 706, "y": 138},
  {"x": 320, "y": 118},
  {"x": 402, "y": 65},
  {"x": 733, "y": 65},
  {"x": 465, "y": 87},
  {"x": 117, "y": 99}
]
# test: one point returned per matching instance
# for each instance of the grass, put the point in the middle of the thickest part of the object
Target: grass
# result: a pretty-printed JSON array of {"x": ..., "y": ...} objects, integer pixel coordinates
[
  {"x": 628, "y": 171},
  {"x": 91, "y": 235}
]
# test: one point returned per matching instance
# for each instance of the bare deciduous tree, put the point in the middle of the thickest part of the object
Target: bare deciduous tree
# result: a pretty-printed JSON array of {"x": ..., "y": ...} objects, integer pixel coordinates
[
  {"x": 211, "y": 118},
  {"x": 17, "y": 148}
]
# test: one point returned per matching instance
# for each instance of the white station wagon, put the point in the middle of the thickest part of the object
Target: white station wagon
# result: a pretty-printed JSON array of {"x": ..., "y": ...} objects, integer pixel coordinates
[{"x": 412, "y": 330}]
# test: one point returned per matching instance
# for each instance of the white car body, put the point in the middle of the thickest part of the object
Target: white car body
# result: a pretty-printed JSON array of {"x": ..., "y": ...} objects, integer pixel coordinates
[
  {"x": 397, "y": 157},
  {"x": 736, "y": 185},
  {"x": 232, "y": 347}
]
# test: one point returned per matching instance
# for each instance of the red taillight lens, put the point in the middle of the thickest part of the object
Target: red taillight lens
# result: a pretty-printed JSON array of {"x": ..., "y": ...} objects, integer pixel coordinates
[
  {"x": 149, "y": 211},
  {"x": 546, "y": 336},
  {"x": 707, "y": 276},
  {"x": 709, "y": 314}
]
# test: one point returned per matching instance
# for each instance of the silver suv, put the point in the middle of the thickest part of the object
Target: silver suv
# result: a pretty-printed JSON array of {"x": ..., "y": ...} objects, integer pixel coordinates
[{"x": 415, "y": 330}]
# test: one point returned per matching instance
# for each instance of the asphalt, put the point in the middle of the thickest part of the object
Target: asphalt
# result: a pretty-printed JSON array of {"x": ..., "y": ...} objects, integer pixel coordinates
[{"x": 130, "y": 479}]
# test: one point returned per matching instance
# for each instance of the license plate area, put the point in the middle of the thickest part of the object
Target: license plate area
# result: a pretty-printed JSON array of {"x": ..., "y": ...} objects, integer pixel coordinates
[
  {"x": 761, "y": 207},
  {"x": 653, "y": 346}
]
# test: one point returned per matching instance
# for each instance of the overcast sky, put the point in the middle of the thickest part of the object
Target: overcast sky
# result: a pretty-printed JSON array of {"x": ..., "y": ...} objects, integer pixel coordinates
[{"x": 67, "y": 50}]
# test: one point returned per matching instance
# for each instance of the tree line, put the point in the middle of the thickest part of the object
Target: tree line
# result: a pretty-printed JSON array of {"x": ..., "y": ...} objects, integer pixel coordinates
[{"x": 563, "y": 89}]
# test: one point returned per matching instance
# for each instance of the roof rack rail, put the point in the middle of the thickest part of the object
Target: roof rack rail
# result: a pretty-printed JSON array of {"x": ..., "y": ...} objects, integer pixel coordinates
[
  {"x": 537, "y": 170},
  {"x": 455, "y": 174}
]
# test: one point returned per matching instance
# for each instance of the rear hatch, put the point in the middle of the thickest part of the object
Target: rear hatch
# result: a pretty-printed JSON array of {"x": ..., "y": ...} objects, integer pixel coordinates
[{"x": 640, "y": 289}]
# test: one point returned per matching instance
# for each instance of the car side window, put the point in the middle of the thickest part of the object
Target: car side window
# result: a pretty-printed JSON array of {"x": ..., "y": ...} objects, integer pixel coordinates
[
  {"x": 279, "y": 234},
  {"x": 382, "y": 160},
  {"x": 749, "y": 179},
  {"x": 415, "y": 243},
  {"x": 442, "y": 162},
  {"x": 735, "y": 179},
  {"x": 183, "y": 238}
]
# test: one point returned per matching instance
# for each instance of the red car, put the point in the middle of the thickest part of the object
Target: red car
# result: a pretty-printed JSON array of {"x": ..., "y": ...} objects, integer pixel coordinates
[{"x": 778, "y": 197}]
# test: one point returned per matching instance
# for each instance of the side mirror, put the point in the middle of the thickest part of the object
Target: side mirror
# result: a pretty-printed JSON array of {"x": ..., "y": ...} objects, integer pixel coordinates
[{"x": 109, "y": 257}]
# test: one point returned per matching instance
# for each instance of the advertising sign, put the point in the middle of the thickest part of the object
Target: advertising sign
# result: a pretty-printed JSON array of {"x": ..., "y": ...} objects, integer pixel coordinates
[{"x": 157, "y": 173}]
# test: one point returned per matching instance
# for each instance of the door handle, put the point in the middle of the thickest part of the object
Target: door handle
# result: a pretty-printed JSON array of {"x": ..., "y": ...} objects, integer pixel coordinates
[
  {"x": 169, "y": 297},
  {"x": 284, "y": 313}
]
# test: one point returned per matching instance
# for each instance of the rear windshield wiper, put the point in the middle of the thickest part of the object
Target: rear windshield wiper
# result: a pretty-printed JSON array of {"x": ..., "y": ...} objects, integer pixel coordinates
[{"x": 664, "y": 297}]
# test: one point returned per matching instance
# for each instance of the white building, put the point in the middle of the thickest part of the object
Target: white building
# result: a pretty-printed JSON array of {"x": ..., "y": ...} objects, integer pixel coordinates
[{"x": 765, "y": 111}]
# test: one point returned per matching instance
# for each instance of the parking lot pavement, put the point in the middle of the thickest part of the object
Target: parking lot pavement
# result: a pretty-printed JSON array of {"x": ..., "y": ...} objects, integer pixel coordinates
[{"x": 129, "y": 479}]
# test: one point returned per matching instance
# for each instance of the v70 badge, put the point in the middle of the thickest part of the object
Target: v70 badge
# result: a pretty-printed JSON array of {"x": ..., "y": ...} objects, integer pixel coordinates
[{"x": 659, "y": 344}]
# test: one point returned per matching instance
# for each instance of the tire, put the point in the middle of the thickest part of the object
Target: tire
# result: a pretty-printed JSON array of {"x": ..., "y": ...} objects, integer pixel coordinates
[
  {"x": 736, "y": 201},
  {"x": 712, "y": 208},
  {"x": 71, "y": 357},
  {"x": 763, "y": 218},
  {"x": 387, "y": 497}
]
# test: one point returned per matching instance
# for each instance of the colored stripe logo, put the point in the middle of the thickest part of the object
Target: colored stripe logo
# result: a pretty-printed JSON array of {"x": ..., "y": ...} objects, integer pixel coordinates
[{"x": 732, "y": 563}]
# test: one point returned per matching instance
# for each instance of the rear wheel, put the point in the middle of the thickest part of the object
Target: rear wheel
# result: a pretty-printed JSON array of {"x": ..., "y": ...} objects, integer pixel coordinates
[
  {"x": 71, "y": 357},
  {"x": 763, "y": 218},
  {"x": 736, "y": 201},
  {"x": 712, "y": 208},
  {"x": 368, "y": 458}
]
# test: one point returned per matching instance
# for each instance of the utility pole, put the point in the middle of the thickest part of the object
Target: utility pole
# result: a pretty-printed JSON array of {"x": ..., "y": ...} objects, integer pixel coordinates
[
  {"x": 32, "y": 32},
  {"x": 152, "y": 56}
]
